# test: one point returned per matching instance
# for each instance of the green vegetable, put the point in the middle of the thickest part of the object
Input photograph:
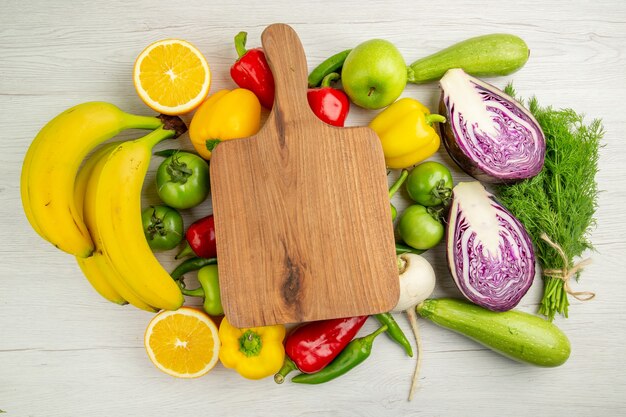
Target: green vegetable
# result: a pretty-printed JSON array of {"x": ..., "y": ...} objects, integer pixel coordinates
[
  {"x": 400, "y": 249},
  {"x": 488, "y": 55},
  {"x": 557, "y": 206},
  {"x": 330, "y": 65},
  {"x": 190, "y": 265},
  {"x": 167, "y": 152},
  {"x": 395, "y": 332},
  {"x": 183, "y": 180},
  {"x": 520, "y": 336},
  {"x": 394, "y": 188},
  {"x": 163, "y": 227},
  {"x": 420, "y": 228},
  {"x": 209, "y": 290},
  {"x": 430, "y": 184},
  {"x": 352, "y": 355}
]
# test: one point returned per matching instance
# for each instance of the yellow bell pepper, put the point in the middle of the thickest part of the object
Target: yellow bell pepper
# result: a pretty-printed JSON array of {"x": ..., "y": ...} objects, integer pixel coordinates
[
  {"x": 254, "y": 352},
  {"x": 406, "y": 133},
  {"x": 225, "y": 115}
]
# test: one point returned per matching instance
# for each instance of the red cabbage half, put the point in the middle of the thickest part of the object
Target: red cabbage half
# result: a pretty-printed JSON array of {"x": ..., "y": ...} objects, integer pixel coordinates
[
  {"x": 488, "y": 134},
  {"x": 490, "y": 254}
]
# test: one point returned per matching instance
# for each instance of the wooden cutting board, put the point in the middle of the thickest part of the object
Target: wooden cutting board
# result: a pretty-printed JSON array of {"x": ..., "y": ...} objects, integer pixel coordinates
[{"x": 302, "y": 217}]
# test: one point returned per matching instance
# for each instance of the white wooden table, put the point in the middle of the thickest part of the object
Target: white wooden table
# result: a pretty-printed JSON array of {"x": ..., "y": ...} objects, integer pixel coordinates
[{"x": 64, "y": 351}]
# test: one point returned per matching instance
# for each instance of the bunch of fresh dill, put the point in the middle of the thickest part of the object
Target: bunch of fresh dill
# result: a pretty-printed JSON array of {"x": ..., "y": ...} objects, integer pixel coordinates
[{"x": 561, "y": 200}]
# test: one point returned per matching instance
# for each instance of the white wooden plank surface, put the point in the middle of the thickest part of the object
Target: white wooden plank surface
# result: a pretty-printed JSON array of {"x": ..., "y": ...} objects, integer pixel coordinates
[{"x": 66, "y": 352}]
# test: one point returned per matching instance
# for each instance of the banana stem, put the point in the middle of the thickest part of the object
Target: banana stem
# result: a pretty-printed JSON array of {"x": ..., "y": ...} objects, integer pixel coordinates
[
  {"x": 132, "y": 121},
  {"x": 157, "y": 136}
]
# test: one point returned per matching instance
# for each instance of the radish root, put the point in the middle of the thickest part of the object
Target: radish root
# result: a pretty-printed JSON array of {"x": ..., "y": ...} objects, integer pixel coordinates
[{"x": 412, "y": 315}]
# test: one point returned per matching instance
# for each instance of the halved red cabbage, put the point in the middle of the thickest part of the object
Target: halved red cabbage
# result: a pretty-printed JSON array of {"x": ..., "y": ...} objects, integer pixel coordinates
[
  {"x": 487, "y": 133},
  {"x": 490, "y": 254}
]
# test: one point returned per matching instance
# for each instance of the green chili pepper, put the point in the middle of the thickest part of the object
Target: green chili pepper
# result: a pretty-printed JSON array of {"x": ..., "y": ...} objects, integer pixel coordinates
[
  {"x": 352, "y": 355},
  {"x": 395, "y": 332},
  {"x": 209, "y": 290},
  {"x": 190, "y": 265},
  {"x": 332, "y": 64},
  {"x": 166, "y": 153},
  {"x": 400, "y": 249},
  {"x": 394, "y": 188}
]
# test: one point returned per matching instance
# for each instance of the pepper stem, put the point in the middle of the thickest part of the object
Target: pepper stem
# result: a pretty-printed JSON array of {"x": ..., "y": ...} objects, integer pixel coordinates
[
  {"x": 240, "y": 43},
  {"x": 435, "y": 118},
  {"x": 250, "y": 343},
  {"x": 333, "y": 76},
  {"x": 198, "y": 292},
  {"x": 288, "y": 366},
  {"x": 370, "y": 337},
  {"x": 212, "y": 143},
  {"x": 396, "y": 185},
  {"x": 186, "y": 251}
]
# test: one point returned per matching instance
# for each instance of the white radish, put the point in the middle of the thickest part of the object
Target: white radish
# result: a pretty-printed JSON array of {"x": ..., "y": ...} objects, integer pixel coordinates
[{"x": 417, "y": 282}]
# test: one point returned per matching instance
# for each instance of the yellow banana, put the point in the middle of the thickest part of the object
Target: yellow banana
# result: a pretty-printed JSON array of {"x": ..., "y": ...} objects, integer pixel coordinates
[
  {"x": 98, "y": 260},
  {"x": 94, "y": 272},
  {"x": 90, "y": 266},
  {"x": 52, "y": 161},
  {"x": 118, "y": 220}
]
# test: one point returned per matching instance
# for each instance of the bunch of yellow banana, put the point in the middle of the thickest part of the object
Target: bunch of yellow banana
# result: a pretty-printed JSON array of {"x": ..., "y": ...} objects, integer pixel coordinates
[{"x": 95, "y": 214}]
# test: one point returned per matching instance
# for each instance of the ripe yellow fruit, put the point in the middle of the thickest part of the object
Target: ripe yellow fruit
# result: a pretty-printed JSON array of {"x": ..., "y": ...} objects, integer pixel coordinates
[
  {"x": 182, "y": 343},
  {"x": 172, "y": 76}
]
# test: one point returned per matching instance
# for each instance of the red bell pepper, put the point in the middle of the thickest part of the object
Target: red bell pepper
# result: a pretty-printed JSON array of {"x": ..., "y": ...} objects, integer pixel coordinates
[
  {"x": 251, "y": 71},
  {"x": 312, "y": 346},
  {"x": 329, "y": 104},
  {"x": 200, "y": 238}
]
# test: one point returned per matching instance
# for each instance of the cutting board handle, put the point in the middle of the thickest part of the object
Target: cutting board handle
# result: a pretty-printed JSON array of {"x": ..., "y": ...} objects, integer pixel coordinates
[{"x": 285, "y": 56}]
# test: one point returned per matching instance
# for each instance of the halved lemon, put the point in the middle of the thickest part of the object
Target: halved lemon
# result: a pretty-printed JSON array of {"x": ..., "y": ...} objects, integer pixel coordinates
[
  {"x": 182, "y": 343},
  {"x": 172, "y": 76}
]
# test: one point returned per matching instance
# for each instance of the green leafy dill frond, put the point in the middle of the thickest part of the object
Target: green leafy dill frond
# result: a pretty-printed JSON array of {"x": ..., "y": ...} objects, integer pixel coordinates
[{"x": 562, "y": 199}]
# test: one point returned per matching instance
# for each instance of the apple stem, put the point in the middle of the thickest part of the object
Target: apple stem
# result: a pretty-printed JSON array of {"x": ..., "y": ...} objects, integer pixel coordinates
[{"x": 372, "y": 89}]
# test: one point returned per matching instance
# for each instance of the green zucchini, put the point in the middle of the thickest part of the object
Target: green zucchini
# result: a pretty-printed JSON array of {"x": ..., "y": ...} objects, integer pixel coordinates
[
  {"x": 488, "y": 55},
  {"x": 520, "y": 336}
]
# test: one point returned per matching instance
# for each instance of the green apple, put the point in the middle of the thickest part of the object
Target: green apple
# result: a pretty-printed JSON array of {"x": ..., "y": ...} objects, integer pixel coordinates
[{"x": 374, "y": 74}]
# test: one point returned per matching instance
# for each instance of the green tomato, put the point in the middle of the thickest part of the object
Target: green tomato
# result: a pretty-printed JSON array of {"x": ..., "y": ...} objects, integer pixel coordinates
[
  {"x": 183, "y": 180},
  {"x": 163, "y": 227},
  {"x": 419, "y": 228},
  {"x": 430, "y": 184}
]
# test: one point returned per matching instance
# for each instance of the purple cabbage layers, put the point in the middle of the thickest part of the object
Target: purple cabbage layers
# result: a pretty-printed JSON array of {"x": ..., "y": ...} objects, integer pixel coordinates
[
  {"x": 490, "y": 254},
  {"x": 489, "y": 134}
]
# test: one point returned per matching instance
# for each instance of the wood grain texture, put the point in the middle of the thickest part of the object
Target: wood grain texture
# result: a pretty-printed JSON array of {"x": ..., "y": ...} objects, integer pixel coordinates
[
  {"x": 301, "y": 210},
  {"x": 65, "y": 352}
]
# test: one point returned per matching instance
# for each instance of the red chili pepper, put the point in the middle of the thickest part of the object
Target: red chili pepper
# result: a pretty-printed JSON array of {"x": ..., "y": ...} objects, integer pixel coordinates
[
  {"x": 314, "y": 345},
  {"x": 200, "y": 239},
  {"x": 251, "y": 71},
  {"x": 329, "y": 104}
]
